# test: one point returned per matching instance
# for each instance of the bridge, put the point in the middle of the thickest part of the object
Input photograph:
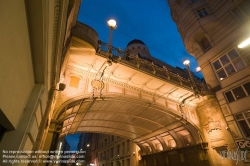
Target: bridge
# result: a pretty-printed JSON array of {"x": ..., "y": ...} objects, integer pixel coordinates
[{"x": 117, "y": 92}]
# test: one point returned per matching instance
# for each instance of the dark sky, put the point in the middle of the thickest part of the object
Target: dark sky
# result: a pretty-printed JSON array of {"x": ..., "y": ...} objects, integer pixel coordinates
[
  {"x": 73, "y": 140},
  {"x": 146, "y": 20}
]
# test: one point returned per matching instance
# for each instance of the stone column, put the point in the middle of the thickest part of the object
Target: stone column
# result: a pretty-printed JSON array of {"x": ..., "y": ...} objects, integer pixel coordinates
[{"x": 214, "y": 126}]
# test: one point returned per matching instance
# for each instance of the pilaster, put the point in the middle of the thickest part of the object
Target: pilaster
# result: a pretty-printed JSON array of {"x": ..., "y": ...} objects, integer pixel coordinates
[{"x": 214, "y": 126}]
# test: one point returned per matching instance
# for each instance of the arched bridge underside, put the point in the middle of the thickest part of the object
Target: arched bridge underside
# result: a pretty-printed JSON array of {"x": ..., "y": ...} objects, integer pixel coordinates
[
  {"x": 150, "y": 125},
  {"x": 136, "y": 99}
]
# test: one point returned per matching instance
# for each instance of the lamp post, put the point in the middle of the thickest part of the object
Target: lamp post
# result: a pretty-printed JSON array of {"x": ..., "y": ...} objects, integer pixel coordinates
[
  {"x": 88, "y": 154},
  {"x": 198, "y": 69},
  {"x": 112, "y": 25},
  {"x": 193, "y": 83},
  {"x": 96, "y": 83},
  {"x": 118, "y": 161},
  {"x": 187, "y": 64}
]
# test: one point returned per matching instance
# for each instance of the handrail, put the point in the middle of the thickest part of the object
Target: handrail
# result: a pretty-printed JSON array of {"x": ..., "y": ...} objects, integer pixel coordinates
[{"x": 162, "y": 71}]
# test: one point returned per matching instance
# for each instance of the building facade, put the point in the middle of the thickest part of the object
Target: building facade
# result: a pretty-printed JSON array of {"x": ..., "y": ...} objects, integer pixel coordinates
[
  {"x": 84, "y": 145},
  {"x": 211, "y": 32},
  {"x": 110, "y": 150},
  {"x": 34, "y": 38},
  {"x": 83, "y": 141}
]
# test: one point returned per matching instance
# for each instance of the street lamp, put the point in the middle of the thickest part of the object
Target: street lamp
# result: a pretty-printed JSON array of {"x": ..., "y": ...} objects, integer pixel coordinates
[
  {"x": 198, "y": 69},
  {"x": 244, "y": 43},
  {"x": 195, "y": 88},
  {"x": 112, "y": 25},
  {"x": 193, "y": 83},
  {"x": 186, "y": 62},
  {"x": 98, "y": 84}
]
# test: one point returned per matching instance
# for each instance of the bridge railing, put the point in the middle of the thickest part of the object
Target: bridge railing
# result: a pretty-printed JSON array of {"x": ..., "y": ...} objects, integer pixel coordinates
[{"x": 169, "y": 74}]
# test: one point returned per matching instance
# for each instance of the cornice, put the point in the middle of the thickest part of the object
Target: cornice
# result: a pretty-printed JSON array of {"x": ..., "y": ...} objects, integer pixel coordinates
[
  {"x": 53, "y": 58},
  {"x": 60, "y": 16}
]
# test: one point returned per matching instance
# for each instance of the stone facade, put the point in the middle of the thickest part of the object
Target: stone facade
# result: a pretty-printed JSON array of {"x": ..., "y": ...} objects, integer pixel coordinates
[
  {"x": 110, "y": 150},
  {"x": 31, "y": 50},
  {"x": 212, "y": 31}
]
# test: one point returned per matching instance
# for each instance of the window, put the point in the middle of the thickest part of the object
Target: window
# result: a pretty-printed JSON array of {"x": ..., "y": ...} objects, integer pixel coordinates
[
  {"x": 238, "y": 92},
  {"x": 193, "y": 1},
  {"x": 205, "y": 44},
  {"x": 128, "y": 162},
  {"x": 242, "y": 11},
  {"x": 202, "y": 12},
  {"x": 112, "y": 152},
  {"x": 230, "y": 96},
  {"x": 128, "y": 146},
  {"x": 247, "y": 87},
  {"x": 123, "y": 147},
  {"x": 118, "y": 149},
  {"x": 228, "y": 64},
  {"x": 243, "y": 120}
]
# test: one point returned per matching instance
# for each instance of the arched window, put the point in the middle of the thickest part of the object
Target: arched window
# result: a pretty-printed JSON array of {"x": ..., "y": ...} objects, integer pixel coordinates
[{"x": 205, "y": 44}]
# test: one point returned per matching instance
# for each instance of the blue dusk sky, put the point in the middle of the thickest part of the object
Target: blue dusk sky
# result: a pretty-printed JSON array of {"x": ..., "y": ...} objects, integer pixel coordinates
[
  {"x": 147, "y": 20},
  {"x": 73, "y": 140}
]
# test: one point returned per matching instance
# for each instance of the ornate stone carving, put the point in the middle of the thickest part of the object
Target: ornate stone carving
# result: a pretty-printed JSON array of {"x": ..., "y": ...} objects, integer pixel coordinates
[
  {"x": 212, "y": 125},
  {"x": 89, "y": 74}
]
